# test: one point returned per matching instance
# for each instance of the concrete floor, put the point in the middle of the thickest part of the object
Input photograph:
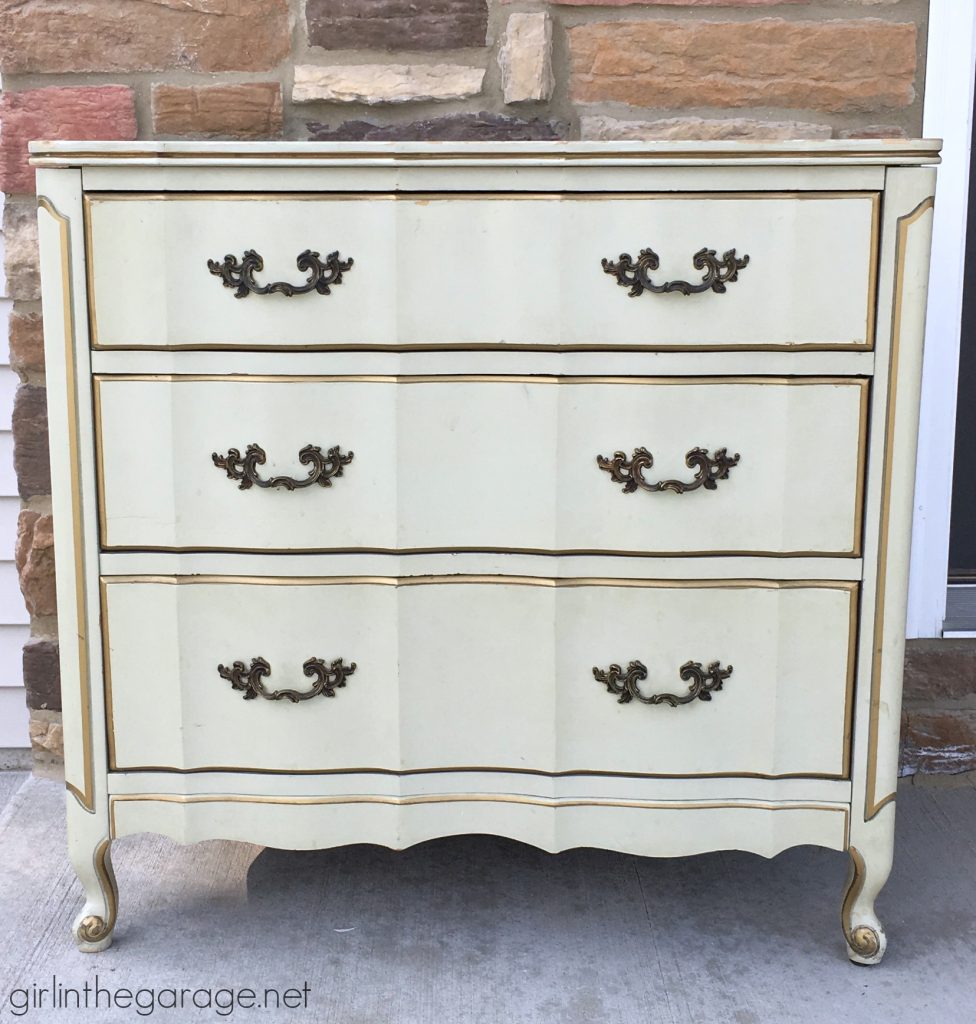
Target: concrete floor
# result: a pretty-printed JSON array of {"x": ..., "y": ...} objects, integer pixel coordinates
[{"x": 482, "y": 930}]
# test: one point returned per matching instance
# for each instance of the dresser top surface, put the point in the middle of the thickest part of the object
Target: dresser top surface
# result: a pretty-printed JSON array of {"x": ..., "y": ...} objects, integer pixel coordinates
[{"x": 892, "y": 152}]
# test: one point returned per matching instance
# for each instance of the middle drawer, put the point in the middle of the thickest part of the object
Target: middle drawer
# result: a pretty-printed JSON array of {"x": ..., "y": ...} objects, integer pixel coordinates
[{"x": 540, "y": 464}]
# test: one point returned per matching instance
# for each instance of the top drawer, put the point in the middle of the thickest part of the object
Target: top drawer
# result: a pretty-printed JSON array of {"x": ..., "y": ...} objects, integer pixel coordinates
[{"x": 472, "y": 271}]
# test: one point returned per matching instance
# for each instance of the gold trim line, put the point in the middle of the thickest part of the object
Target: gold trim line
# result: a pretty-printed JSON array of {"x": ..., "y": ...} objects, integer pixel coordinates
[
  {"x": 86, "y": 797},
  {"x": 91, "y": 199},
  {"x": 852, "y": 587},
  {"x": 872, "y": 804},
  {"x": 554, "y": 803},
  {"x": 542, "y": 379}
]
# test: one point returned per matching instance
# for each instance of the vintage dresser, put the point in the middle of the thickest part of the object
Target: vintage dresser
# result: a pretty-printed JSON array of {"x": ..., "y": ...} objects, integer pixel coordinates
[{"x": 554, "y": 491}]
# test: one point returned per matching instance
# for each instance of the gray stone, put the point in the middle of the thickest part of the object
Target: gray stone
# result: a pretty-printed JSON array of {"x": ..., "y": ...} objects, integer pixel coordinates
[
  {"x": 396, "y": 24},
  {"x": 42, "y": 675},
  {"x": 483, "y": 127},
  {"x": 31, "y": 460},
  {"x": 20, "y": 263}
]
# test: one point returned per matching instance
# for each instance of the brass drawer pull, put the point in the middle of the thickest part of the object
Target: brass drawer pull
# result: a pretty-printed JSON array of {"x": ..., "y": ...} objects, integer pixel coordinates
[
  {"x": 630, "y": 472},
  {"x": 244, "y": 467},
  {"x": 703, "y": 682},
  {"x": 637, "y": 276},
  {"x": 328, "y": 678},
  {"x": 239, "y": 274}
]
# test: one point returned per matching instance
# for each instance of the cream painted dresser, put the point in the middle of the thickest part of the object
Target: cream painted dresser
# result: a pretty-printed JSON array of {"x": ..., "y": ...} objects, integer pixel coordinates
[{"x": 559, "y": 492}]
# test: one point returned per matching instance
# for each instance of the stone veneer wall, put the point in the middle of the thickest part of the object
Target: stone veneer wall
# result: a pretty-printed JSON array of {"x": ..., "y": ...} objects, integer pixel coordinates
[{"x": 430, "y": 69}]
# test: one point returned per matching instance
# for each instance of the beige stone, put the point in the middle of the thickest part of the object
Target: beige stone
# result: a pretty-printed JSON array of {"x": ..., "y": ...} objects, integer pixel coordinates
[
  {"x": 34, "y": 555},
  {"x": 249, "y": 110},
  {"x": 854, "y": 64},
  {"x": 26, "y": 333},
  {"x": 20, "y": 261},
  {"x": 602, "y": 127},
  {"x": 385, "y": 83},
  {"x": 525, "y": 58},
  {"x": 47, "y": 743}
]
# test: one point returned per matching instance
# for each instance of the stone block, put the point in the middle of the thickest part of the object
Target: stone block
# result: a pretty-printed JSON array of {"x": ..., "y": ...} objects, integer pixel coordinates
[
  {"x": 42, "y": 675},
  {"x": 34, "y": 555},
  {"x": 481, "y": 127},
  {"x": 525, "y": 58},
  {"x": 854, "y": 64},
  {"x": 20, "y": 260},
  {"x": 105, "y": 36},
  {"x": 603, "y": 127},
  {"x": 84, "y": 112},
  {"x": 385, "y": 83},
  {"x": 31, "y": 459},
  {"x": 250, "y": 110},
  {"x": 396, "y": 24},
  {"x": 26, "y": 336}
]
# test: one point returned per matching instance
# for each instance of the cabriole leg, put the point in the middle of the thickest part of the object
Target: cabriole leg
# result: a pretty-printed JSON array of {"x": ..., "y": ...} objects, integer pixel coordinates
[
  {"x": 89, "y": 850},
  {"x": 866, "y": 941}
]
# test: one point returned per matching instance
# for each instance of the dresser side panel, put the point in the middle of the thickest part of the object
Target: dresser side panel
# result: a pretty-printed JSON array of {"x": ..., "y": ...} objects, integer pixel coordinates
[
  {"x": 906, "y": 237},
  {"x": 60, "y": 220}
]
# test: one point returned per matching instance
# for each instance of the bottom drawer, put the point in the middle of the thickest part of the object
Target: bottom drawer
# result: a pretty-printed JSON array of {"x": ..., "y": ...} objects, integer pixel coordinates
[{"x": 479, "y": 672}]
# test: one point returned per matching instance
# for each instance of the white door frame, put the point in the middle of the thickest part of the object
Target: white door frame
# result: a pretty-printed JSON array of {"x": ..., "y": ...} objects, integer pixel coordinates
[{"x": 950, "y": 69}]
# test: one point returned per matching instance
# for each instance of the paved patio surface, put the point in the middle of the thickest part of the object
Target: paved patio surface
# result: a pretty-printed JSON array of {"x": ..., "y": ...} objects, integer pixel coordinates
[{"x": 480, "y": 930}]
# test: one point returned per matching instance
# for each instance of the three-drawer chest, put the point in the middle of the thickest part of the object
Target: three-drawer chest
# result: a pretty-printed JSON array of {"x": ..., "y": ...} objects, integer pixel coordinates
[{"x": 560, "y": 492}]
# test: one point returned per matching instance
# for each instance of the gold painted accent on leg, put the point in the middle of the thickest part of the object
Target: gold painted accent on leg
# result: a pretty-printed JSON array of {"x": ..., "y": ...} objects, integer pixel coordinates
[
  {"x": 872, "y": 804},
  {"x": 863, "y": 940},
  {"x": 93, "y": 928},
  {"x": 86, "y": 797}
]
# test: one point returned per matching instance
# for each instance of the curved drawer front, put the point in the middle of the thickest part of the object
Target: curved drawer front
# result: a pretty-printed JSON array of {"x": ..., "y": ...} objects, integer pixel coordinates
[
  {"x": 760, "y": 674},
  {"x": 527, "y": 464},
  {"x": 441, "y": 271}
]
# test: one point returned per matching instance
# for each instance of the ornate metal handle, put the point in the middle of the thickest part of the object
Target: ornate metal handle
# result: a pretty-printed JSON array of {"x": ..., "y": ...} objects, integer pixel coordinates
[
  {"x": 328, "y": 678},
  {"x": 244, "y": 467},
  {"x": 703, "y": 682},
  {"x": 239, "y": 274},
  {"x": 637, "y": 276},
  {"x": 630, "y": 472}
]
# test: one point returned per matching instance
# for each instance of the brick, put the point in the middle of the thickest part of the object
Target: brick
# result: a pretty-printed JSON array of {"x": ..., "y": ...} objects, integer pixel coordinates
[
  {"x": 42, "y": 675},
  {"x": 251, "y": 110},
  {"x": 87, "y": 112},
  {"x": 26, "y": 333},
  {"x": 454, "y": 128},
  {"x": 525, "y": 58},
  {"x": 386, "y": 83},
  {"x": 602, "y": 127},
  {"x": 396, "y": 24},
  {"x": 58, "y": 36},
  {"x": 31, "y": 461},
  {"x": 34, "y": 555},
  {"x": 20, "y": 266},
  {"x": 940, "y": 670},
  {"x": 938, "y": 741},
  {"x": 857, "y": 64}
]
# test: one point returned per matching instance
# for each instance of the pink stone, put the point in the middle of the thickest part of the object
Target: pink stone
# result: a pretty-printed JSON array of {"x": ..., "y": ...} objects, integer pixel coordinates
[{"x": 84, "y": 112}]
